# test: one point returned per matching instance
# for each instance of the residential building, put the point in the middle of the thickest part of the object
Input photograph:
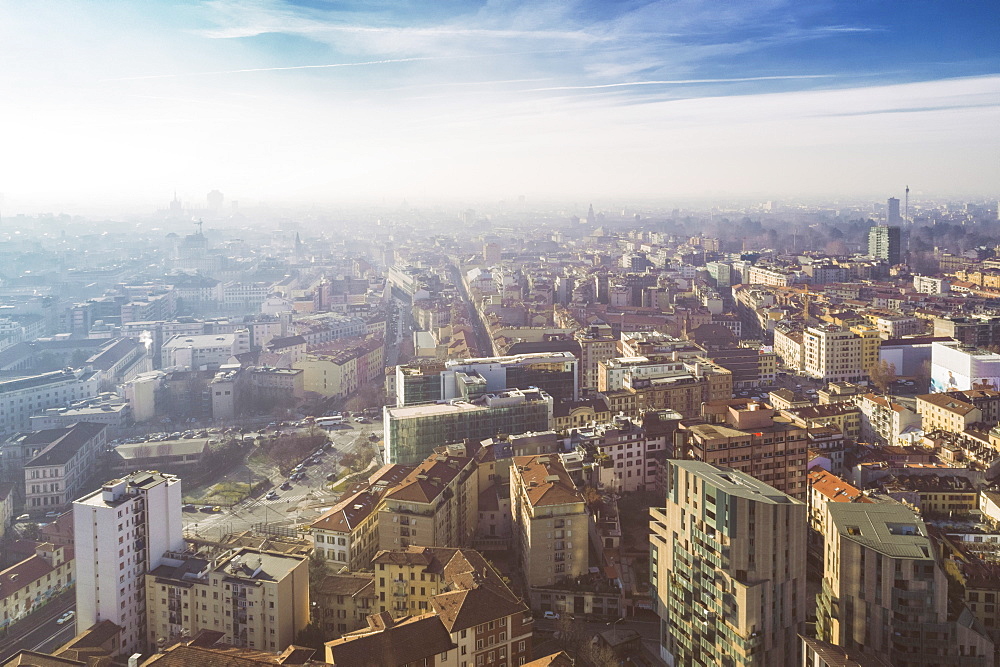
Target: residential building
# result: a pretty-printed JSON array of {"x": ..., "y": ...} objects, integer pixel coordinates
[
  {"x": 66, "y": 459},
  {"x": 30, "y": 583},
  {"x": 436, "y": 504},
  {"x": 347, "y": 535},
  {"x": 412, "y": 432},
  {"x": 471, "y": 616},
  {"x": 755, "y": 440},
  {"x": 884, "y": 243},
  {"x": 682, "y": 392},
  {"x": 947, "y": 411},
  {"x": 728, "y": 569},
  {"x": 597, "y": 344},
  {"x": 567, "y": 415},
  {"x": 341, "y": 367},
  {"x": 825, "y": 487},
  {"x": 816, "y": 653},
  {"x": 550, "y": 520},
  {"x": 885, "y": 594},
  {"x": 843, "y": 415},
  {"x": 342, "y": 603},
  {"x": 555, "y": 373},
  {"x": 886, "y": 421},
  {"x": 629, "y": 458},
  {"x": 976, "y": 331},
  {"x": 833, "y": 354},
  {"x": 256, "y": 599},
  {"x": 121, "y": 532}
]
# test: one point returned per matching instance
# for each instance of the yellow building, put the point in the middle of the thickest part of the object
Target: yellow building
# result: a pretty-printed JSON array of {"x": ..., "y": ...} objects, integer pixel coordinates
[
  {"x": 946, "y": 412},
  {"x": 33, "y": 581},
  {"x": 871, "y": 342},
  {"x": 258, "y": 599}
]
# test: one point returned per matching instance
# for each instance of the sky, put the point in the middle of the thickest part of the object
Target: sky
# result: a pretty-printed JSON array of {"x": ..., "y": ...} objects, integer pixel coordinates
[{"x": 111, "y": 103}]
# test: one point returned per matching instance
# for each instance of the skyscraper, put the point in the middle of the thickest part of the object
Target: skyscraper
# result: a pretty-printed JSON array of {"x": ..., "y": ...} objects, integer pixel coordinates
[
  {"x": 892, "y": 210},
  {"x": 884, "y": 242},
  {"x": 121, "y": 532},
  {"x": 728, "y": 568}
]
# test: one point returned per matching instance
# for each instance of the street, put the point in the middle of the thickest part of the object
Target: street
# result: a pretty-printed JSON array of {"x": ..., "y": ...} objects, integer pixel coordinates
[{"x": 43, "y": 634}]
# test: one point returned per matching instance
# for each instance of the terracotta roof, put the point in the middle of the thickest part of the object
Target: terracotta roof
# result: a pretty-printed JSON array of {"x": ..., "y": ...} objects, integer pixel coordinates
[
  {"x": 343, "y": 584},
  {"x": 546, "y": 481},
  {"x": 33, "y": 659},
  {"x": 391, "y": 643},
  {"x": 426, "y": 482},
  {"x": 349, "y": 513},
  {"x": 834, "y": 488},
  {"x": 560, "y": 659},
  {"x": 948, "y": 402},
  {"x": 22, "y": 574}
]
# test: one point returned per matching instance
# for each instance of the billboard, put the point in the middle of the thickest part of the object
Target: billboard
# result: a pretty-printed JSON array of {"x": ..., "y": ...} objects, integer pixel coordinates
[{"x": 956, "y": 368}]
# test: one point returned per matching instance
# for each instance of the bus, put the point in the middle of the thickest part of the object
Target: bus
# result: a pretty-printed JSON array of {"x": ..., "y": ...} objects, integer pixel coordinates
[{"x": 326, "y": 422}]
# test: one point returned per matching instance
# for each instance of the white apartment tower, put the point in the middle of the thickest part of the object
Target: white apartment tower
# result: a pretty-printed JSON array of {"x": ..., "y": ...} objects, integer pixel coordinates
[{"x": 121, "y": 532}]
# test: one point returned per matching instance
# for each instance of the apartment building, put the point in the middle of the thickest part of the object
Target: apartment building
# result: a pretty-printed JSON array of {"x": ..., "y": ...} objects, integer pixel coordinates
[
  {"x": 728, "y": 569},
  {"x": 436, "y": 504},
  {"x": 22, "y": 397},
  {"x": 754, "y": 440},
  {"x": 472, "y": 618},
  {"x": 788, "y": 348},
  {"x": 30, "y": 583},
  {"x": 682, "y": 392},
  {"x": 885, "y": 421},
  {"x": 550, "y": 521},
  {"x": 947, "y": 411},
  {"x": 597, "y": 344},
  {"x": 842, "y": 415},
  {"x": 255, "y": 599},
  {"x": 54, "y": 477},
  {"x": 833, "y": 354},
  {"x": 629, "y": 457},
  {"x": 412, "y": 432},
  {"x": 884, "y": 592},
  {"x": 342, "y": 603},
  {"x": 121, "y": 532},
  {"x": 825, "y": 487},
  {"x": 612, "y": 373},
  {"x": 340, "y": 367}
]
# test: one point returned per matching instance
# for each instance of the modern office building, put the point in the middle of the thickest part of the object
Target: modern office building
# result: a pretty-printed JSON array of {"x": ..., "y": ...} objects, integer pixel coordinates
[
  {"x": 412, "y": 432},
  {"x": 550, "y": 521},
  {"x": 884, "y": 243},
  {"x": 728, "y": 568},
  {"x": 121, "y": 532},
  {"x": 892, "y": 210},
  {"x": 884, "y": 592}
]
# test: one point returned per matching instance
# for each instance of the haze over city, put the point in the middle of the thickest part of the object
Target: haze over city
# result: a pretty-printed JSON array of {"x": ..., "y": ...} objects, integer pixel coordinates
[{"x": 113, "y": 105}]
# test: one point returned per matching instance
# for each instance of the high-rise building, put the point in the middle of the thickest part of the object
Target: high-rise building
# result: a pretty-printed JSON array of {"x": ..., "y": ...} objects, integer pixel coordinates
[
  {"x": 728, "y": 567},
  {"x": 884, "y": 242},
  {"x": 121, "y": 532},
  {"x": 892, "y": 210},
  {"x": 412, "y": 432},
  {"x": 884, "y": 592}
]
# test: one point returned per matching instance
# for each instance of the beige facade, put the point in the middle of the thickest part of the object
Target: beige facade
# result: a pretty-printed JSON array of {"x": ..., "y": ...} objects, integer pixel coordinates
[
  {"x": 884, "y": 592},
  {"x": 596, "y": 345},
  {"x": 947, "y": 413},
  {"x": 832, "y": 354},
  {"x": 258, "y": 599},
  {"x": 550, "y": 520},
  {"x": 728, "y": 569},
  {"x": 435, "y": 505}
]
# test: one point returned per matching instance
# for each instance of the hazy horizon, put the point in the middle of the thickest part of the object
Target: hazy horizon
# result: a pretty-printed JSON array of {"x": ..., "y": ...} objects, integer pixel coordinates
[{"x": 115, "y": 105}]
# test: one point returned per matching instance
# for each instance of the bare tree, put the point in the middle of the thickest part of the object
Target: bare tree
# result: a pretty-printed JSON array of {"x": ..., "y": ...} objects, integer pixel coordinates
[{"x": 883, "y": 374}]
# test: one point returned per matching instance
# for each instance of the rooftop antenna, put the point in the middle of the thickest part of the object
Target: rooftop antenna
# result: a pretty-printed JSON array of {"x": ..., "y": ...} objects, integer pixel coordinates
[{"x": 198, "y": 225}]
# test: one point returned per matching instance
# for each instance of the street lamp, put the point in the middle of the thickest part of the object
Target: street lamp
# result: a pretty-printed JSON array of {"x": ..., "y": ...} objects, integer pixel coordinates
[{"x": 614, "y": 627}]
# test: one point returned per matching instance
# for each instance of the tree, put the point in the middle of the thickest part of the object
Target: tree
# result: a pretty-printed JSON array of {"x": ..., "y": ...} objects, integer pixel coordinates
[
  {"x": 883, "y": 374},
  {"x": 317, "y": 572},
  {"x": 601, "y": 655},
  {"x": 311, "y": 636}
]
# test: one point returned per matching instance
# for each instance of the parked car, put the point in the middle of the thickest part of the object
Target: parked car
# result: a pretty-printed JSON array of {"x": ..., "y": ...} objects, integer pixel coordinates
[
  {"x": 271, "y": 495},
  {"x": 190, "y": 508},
  {"x": 286, "y": 485},
  {"x": 551, "y": 615},
  {"x": 205, "y": 508}
]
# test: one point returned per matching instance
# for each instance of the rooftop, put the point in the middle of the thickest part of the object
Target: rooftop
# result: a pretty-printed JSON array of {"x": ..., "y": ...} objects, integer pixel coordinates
[
  {"x": 889, "y": 528},
  {"x": 735, "y": 483}
]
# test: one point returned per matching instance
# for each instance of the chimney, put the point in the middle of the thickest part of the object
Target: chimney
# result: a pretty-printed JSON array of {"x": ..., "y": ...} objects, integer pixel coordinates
[{"x": 133, "y": 660}]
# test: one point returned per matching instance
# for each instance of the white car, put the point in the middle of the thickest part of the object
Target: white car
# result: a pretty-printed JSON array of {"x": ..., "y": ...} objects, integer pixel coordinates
[
  {"x": 551, "y": 615},
  {"x": 66, "y": 618}
]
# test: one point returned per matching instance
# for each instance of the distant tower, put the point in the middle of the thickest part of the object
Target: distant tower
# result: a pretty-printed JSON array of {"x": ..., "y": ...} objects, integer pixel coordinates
[
  {"x": 883, "y": 241},
  {"x": 906, "y": 205},
  {"x": 214, "y": 200},
  {"x": 893, "y": 211},
  {"x": 591, "y": 218},
  {"x": 175, "y": 205}
]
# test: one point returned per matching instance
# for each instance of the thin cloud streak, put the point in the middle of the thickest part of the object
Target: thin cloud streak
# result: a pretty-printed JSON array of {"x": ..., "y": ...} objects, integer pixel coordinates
[{"x": 678, "y": 82}]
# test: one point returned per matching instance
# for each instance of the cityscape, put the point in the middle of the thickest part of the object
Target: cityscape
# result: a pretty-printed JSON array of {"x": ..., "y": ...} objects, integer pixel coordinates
[{"x": 500, "y": 334}]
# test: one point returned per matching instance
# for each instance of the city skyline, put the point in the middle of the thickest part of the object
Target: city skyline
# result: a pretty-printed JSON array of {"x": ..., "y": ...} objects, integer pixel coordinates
[{"x": 116, "y": 105}]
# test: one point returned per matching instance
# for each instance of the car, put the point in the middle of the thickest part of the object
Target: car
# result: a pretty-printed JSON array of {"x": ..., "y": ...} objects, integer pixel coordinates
[
  {"x": 205, "y": 508},
  {"x": 331, "y": 477},
  {"x": 216, "y": 509},
  {"x": 65, "y": 618},
  {"x": 22, "y": 518},
  {"x": 189, "y": 508},
  {"x": 271, "y": 495},
  {"x": 551, "y": 615},
  {"x": 286, "y": 485}
]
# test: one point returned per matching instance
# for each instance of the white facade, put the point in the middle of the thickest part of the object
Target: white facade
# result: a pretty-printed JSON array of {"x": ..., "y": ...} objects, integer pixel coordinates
[
  {"x": 832, "y": 354},
  {"x": 956, "y": 366},
  {"x": 206, "y": 350},
  {"x": 22, "y": 397},
  {"x": 121, "y": 532}
]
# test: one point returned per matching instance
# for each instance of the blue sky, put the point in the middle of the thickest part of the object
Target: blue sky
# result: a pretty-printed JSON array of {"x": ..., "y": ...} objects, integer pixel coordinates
[{"x": 337, "y": 100}]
